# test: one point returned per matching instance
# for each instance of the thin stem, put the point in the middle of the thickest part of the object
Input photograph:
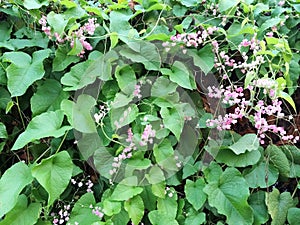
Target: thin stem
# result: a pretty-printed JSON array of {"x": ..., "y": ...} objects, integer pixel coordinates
[
  {"x": 20, "y": 113},
  {"x": 62, "y": 141}
]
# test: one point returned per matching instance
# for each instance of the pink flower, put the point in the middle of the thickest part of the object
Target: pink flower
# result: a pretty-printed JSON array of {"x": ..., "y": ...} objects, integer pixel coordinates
[
  {"x": 281, "y": 3},
  {"x": 245, "y": 43},
  {"x": 130, "y": 135}
]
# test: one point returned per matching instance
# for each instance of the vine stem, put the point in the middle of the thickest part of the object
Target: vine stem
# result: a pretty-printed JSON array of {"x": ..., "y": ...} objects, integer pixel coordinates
[
  {"x": 62, "y": 141},
  {"x": 20, "y": 112}
]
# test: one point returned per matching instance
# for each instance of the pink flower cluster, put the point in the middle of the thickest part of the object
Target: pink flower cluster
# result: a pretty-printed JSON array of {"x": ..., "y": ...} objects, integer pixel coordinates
[
  {"x": 45, "y": 28},
  {"x": 222, "y": 59},
  {"x": 137, "y": 90},
  {"x": 80, "y": 34},
  {"x": 47, "y": 31},
  {"x": 63, "y": 215},
  {"x": 257, "y": 112},
  {"x": 126, "y": 153},
  {"x": 97, "y": 211},
  {"x": 194, "y": 39},
  {"x": 146, "y": 137},
  {"x": 190, "y": 39}
]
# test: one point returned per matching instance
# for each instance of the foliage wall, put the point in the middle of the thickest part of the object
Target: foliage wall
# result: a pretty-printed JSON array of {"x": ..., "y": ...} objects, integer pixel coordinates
[{"x": 149, "y": 112}]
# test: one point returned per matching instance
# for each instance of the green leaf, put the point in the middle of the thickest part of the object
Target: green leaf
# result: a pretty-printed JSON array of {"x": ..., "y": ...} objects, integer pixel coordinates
[
  {"x": 3, "y": 132},
  {"x": 180, "y": 75},
  {"x": 195, "y": 219},
  {"x": 62, "y": 60},
  {"x": 227, "y": 4},
  {"x": 114, "y": 39},
  {"x": 291, "y": 152},
  {"x": 24, "y": 70},
  {"x": 135, "y": 209},
  {"x": 148, "y": 198},
  {"x": 111, "y": 208},
  {"x": 189, "y": 3},
  {"x": 34, "y": 4},
  {"x": 229, "y": 194},
  {"x": 267, "y": 24},
  {"x": 124, "y": 192},
  {"x": 278, "y": 206},
  {"x": 126, "y": 79},
  {"x": 22, "y": 213},
  {"x": 4, "y": 98},
  {"x": 288, "y": 98},
  {"x": 57, "y": 22},
  {"x": 47, "y": 124},
  {"x": 293, "y": 216},
  {"x": 118, "y": 118},
  {"x": 119, "y": 24},
  {"x": 161, "y": 218},
  {"x": 10, "y": 187},
  {"x": 163, "y": 87},
  {"x": 103, "y": 161},
  {"x": 82, "y": 213},
  {"x": 77, "y": 77},
  {"x": 168, "y": 204},
  {"x": 189, "y": 169},
  {"x": 54, "y": 174},
  {"x": 225, "y": 155},
  {"x": 138, "y": 164},
  {"x": 76, "y": 49},
  {"x": 173, "y": 121},
  {"x": 248, "y": 142},
  {"x": 159, "y": 189},
  {"x": 155, "y": 175},
  {"x": 204, "y": 58},
  {"x": 279, "y": 160},
  {"x": 257, "y": 203},
  {"x": 48, "y": 97},
  {"x": 194, "y": 193},
  {"x": 164, "y": 155},
  {"x": 145, "y": 53},
  {"x": 261, "y": 175},
  {"x": 79, "y": 113}
]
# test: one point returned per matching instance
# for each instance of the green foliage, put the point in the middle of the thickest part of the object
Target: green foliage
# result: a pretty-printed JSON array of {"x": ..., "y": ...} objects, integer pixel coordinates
[
  {"x": 149, "y": 112},
  {"x": 44, "y": 125},
  {"x": 229, "y": 193},
  {"x": 11, "y": 188},
  {"x": 54, "y": 174},
  {"x": 24, "y": 70},
  {"x": 23, "y": 213}
]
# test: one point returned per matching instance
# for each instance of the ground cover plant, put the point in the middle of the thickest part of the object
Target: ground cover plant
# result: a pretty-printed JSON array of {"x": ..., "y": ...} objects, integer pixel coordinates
[{"x": 149, "y": 112}]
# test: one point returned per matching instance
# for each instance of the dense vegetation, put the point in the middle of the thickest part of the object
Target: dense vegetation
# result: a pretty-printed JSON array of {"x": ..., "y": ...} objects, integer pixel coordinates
[{"x": 149, "y": 112}]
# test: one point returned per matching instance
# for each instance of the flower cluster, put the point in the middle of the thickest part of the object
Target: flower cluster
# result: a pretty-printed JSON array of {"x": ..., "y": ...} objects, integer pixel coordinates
[
  {"x": 146, "y": 137},
  {"x": 126, "y": 153},
  {"x": 190, "y": 39},
  {"x": 222, "y": 59},
  {"x": 97, "y": 211},
  {"x": 80, "y": 34},
  {"x": 83, "y": 182},
  {"x": 169, "y": 192},
  {"x": 257, "y": 112},
  {"x": 137, "y": 90},
  {"x": 103, "y": 110},
  {"x": 62, "y": 216}
]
